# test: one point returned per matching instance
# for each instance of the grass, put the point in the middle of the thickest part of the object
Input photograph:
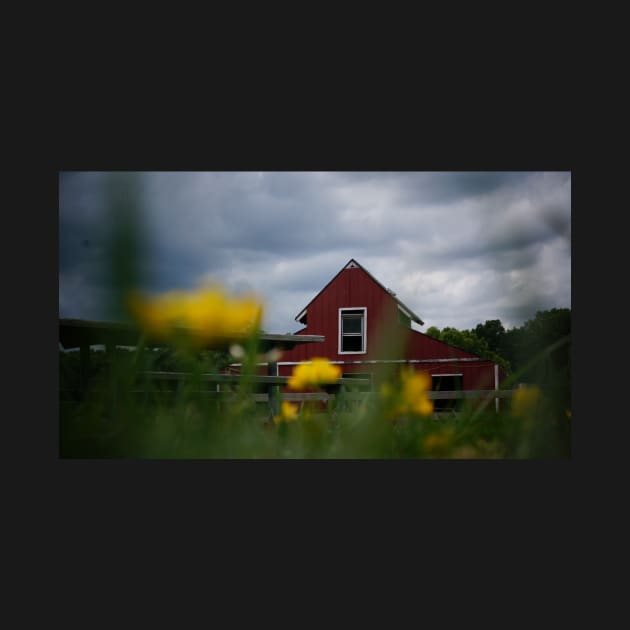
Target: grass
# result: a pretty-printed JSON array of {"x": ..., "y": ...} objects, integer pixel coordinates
[{"x": 112, "y": 421}]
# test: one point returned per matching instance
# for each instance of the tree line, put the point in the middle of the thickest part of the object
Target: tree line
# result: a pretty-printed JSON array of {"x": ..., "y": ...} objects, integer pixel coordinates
[{"x": 537, "y": 352}]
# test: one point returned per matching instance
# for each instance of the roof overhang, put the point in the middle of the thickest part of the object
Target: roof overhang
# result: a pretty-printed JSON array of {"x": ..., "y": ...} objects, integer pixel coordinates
[
  {"x": 409, "y": 313},
  {"x": 74, "y": 333}
]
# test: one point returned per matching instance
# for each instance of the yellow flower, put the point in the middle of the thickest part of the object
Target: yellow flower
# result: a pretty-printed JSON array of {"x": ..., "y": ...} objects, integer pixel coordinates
[
  {"x": 525, "y": 400},
  {"x": 288, "y": 412},
  {"x": 318, "y": 372},
  {"x": 412, "y": 397},
  {"x": 414, "y": 393},
  {"x": 415, "y": 383},
  {"x": 207, "y": 314},
  {"x": 423, "y": 406}
]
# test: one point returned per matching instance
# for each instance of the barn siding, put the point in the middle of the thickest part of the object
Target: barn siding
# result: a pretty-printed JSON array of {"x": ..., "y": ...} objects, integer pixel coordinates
[
  {"x": 356, "y": 288},
  {"x": 352, "y": 288}
]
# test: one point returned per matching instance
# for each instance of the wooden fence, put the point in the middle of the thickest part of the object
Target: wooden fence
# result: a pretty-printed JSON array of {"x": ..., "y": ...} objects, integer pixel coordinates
[
  {"x": 82, "y": 334},
  {"x": 346, "y": 392}
]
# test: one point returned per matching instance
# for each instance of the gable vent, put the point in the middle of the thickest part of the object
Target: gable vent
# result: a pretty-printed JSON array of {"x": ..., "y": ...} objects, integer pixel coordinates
[{"x": 351, "y": 265}]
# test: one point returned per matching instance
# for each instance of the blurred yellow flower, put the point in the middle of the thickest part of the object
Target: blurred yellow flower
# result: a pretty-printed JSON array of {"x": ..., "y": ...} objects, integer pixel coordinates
[
  {"x": 423, "y": 406},
  {"x": 288, "y": 412},
  {"x": 525, "y": 399},
  {"x": 207, "y": 314},
  {"x": 415, "y": 386},
  {"x": 318, "y": 372}
]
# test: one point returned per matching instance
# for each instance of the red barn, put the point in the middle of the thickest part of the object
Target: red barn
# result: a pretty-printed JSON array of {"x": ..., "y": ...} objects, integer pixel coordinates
[{"x": 365, "y": 326}]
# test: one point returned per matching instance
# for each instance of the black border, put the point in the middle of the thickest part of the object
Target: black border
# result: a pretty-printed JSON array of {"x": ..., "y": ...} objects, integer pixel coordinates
[{"x": 340, "y": 137}]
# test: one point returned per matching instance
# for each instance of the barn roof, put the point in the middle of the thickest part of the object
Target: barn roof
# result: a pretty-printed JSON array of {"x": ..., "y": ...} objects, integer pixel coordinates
[{"x": 351, "y": 264}]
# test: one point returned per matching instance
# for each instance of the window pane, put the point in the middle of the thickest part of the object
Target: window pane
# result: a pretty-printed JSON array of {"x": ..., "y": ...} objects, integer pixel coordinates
[
  {"x": 351, "y": 323},
  {"x": 352, "y": 344}
]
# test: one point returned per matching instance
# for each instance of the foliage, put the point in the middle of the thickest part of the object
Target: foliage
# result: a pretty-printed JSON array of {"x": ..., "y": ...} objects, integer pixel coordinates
[
  {"x": 114, "y": 418},
  {"x": 467, "y": 340},
  {"x": 493, "y": 333},
  {"x": 514, "y": 348},
  {"x": 523, "y": 349}
]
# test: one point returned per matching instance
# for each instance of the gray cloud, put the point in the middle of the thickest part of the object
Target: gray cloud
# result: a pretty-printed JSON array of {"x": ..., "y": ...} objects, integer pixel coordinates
[{"x": 458, "y": 248}]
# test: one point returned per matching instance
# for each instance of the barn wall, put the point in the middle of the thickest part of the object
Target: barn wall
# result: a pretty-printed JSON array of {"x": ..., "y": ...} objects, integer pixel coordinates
[
  {"x": 351, "y": 288},
  {"x": 355, "y": 288},
  {"x": 421, "y": 346},
  {"x": 474, "y": 376}
]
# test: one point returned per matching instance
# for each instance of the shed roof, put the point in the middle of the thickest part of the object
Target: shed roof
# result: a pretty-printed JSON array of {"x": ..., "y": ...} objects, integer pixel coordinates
[{"x": 74, "y": 333}]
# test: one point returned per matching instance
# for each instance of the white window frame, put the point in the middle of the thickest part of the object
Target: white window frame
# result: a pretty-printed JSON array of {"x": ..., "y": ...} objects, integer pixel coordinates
[{"x": 363, "y": 332}]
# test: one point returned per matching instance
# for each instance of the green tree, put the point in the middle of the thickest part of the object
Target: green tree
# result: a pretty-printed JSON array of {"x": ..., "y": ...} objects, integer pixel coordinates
[
  {"x": 493, "y": 332},
  {"x": 522, "y": 344},
  {"x": 516, "y": 348},
  {"x": 469, "y": 341}
]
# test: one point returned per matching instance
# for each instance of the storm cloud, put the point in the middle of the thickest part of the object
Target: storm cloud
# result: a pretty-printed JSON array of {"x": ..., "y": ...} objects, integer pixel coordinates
[{"x": 458, "y": 248}]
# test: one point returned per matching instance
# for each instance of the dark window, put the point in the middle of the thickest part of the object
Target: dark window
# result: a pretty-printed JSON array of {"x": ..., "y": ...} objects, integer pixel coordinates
[
  {"x": 447, "y": 383},
  {"x": 351, "y": 344},
  {"x": 352, "y": 330},
  {"x": 352, "y": 324}
]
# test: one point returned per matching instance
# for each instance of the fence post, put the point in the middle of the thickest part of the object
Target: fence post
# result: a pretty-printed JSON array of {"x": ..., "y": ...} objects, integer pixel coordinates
[
  {"x": 110, "y": 350},
  {"x": 273, "y": 391},
  {"x": 496, "y": 386},
  {"x": 84, "y": 368}
]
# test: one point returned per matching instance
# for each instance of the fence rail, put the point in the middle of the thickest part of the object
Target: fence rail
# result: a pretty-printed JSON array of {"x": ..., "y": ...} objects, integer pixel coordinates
[
  {"x": 257, "y": 379},
  {"x": 346, "y": 390}
]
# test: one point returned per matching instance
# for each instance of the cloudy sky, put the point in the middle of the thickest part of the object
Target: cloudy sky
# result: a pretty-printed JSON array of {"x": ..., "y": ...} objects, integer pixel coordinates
[{"x": 458, "y": 248}]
